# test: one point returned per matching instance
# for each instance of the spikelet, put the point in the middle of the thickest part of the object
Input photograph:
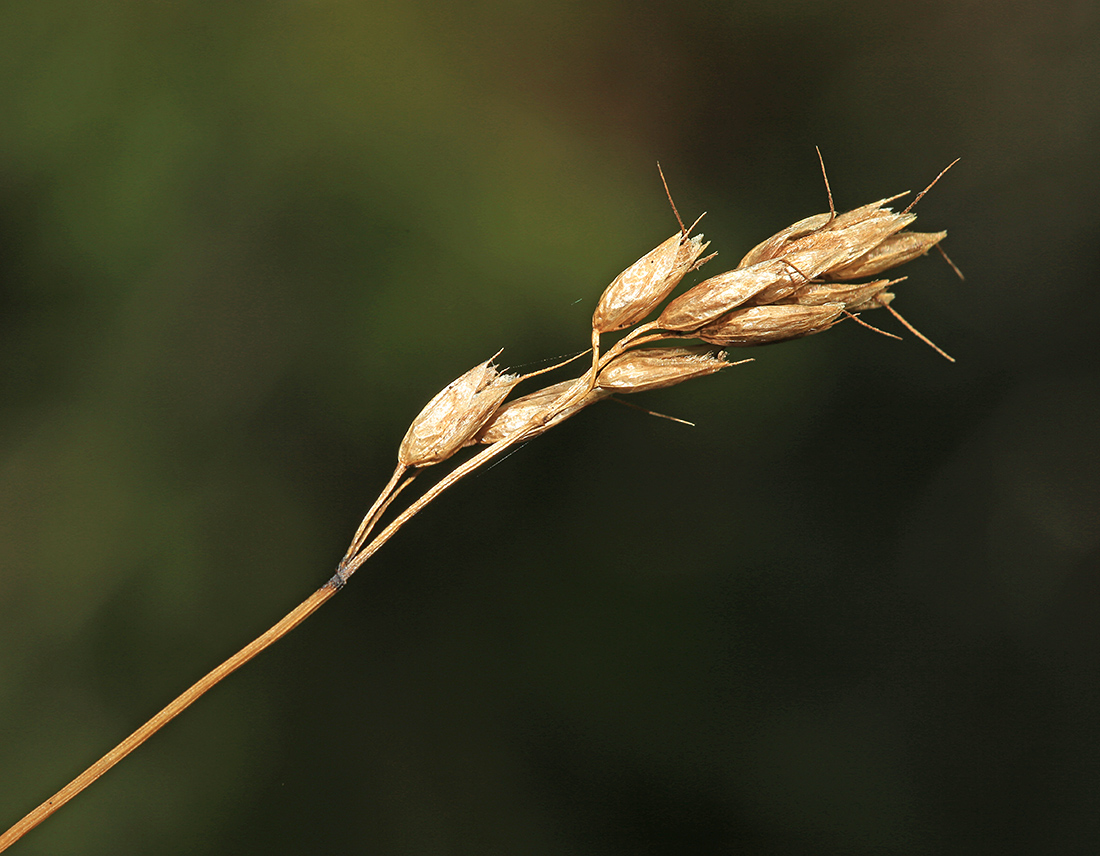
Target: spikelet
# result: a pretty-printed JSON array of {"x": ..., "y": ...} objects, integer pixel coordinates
[
  {"x": 656, "y": 368},
  {"x": 851, "y": 294},
  {"x": 858, "y": 243},
  {"x": 719, "y": 294},
  {"x": 822, "y": 243},
  {"x": 536, "y": 412},
  {"x": 895, "y": 250},
  {"x": 830, "y": 248},
  {"x": 456, "y": 414},
  {"x": 638, "y": 290},
  {"x": 763, "y": 325},
  {"x": 774, "y": 247},
  {"x": 812, "y": 231}
]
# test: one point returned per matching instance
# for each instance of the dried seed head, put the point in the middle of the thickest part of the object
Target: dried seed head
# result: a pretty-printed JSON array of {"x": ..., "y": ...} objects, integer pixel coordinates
[
  {"x": 895, "y": 250},
  {"x": 849, "y": 293},
  {"x": 534, "y": 410},
  {"x": 829, "y": 249},
  {"x": 458, "y": 412},
  {"x": 809, "y": 233},
  {"x": 641, "y": 287},
  {"x": 719, "y": 294},
  {"x": 761, "y": 325},
  {"x": 776, "y": 245},
  {"x": 656, "y": 368},
  {"x": 821, "y": 244}
]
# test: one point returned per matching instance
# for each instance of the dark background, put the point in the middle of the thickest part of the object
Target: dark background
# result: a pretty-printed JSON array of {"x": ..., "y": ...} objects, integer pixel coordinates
[{"x": 853, "y": 611}]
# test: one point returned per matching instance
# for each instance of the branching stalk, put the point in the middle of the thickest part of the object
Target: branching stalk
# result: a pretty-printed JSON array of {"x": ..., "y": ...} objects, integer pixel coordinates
[{"x": 796, "y": 283}]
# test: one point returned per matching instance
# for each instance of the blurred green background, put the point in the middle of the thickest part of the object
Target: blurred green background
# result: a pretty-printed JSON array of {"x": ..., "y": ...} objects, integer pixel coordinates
[{"x": 853, "y": 611}]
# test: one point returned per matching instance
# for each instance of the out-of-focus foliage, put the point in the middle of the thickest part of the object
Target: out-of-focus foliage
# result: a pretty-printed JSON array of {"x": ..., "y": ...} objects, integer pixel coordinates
[{"x": 241, "y": 244}]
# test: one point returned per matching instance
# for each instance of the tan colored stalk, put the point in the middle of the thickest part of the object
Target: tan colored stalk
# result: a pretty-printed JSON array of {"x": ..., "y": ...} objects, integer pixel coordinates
[{"x": 796, "y": 283}]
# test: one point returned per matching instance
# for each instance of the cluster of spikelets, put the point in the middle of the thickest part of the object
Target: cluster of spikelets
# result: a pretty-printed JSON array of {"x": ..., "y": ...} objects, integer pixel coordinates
[{"x": 802, "y": 280}]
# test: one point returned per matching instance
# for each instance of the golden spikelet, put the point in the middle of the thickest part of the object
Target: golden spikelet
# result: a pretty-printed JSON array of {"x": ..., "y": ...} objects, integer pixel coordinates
[
  {"x": 639, "y": 289},
  {"x": 454, "y": 415}
]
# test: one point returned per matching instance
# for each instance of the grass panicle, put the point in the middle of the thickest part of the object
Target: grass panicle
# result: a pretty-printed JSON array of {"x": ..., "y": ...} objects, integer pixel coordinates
[{"x": 796, "y": 283}]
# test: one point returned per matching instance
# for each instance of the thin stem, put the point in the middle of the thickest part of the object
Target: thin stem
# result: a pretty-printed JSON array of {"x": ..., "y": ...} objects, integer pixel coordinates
[
  {"x": 482, "y": 457},
  {"x": 389, "y": 494},
  {"x": 295, "y": 617},
  {"x": 292, "y": 619},
  {"x": 627, "y": 341}
]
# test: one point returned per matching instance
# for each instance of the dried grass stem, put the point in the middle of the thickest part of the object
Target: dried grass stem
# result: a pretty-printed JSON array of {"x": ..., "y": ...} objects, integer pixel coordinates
[{"x": 795, "y": 283}]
